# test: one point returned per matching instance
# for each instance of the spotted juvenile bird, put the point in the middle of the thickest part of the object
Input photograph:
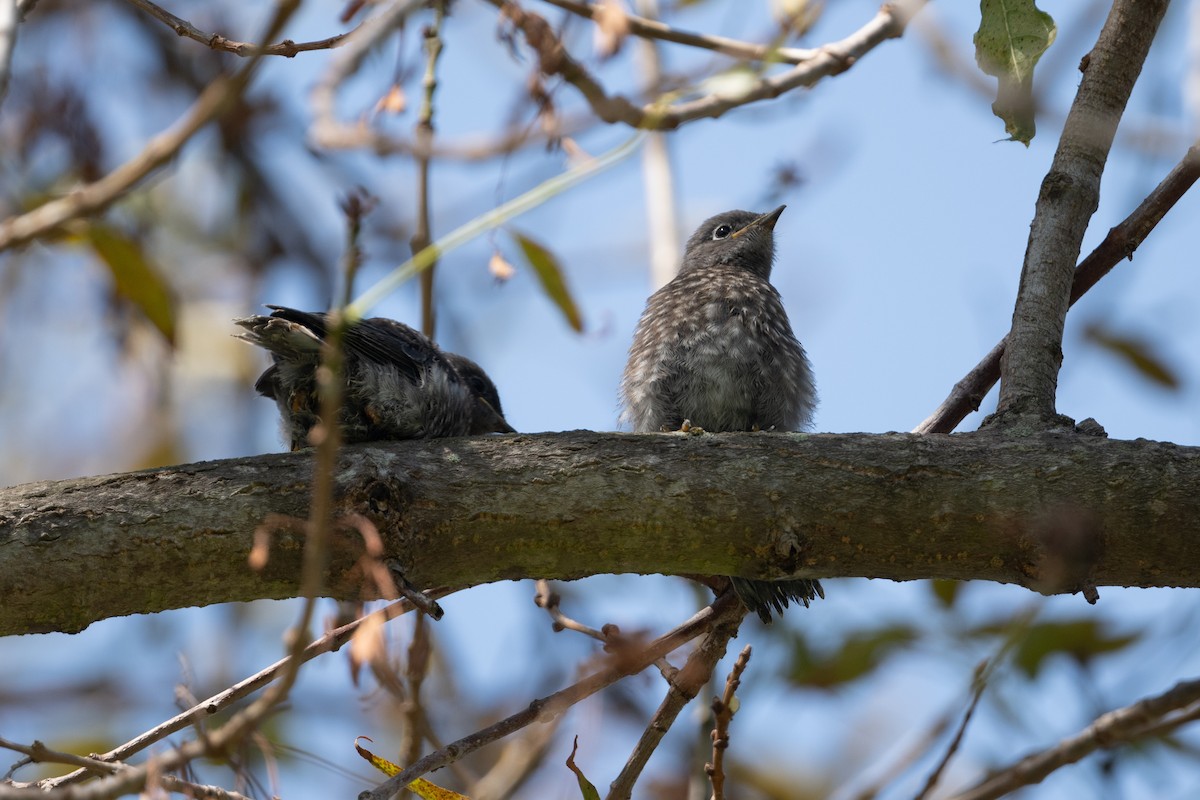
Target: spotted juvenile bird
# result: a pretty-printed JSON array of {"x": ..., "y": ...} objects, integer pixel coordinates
[
  {"x": 398, "y": 384},
  {"x": 714, "y": 349}
]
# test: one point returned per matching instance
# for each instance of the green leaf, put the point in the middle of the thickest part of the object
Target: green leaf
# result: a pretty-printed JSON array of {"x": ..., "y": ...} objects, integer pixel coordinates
[
  {"x": 1012, "y": 36},
  {"x": 1138, "y": 353},
  {"x": 546, "y": 267},
  {"x": 585, "y": 786},
  {"x": 858, "y": 656},
  {"x": 134, "y": 277}
]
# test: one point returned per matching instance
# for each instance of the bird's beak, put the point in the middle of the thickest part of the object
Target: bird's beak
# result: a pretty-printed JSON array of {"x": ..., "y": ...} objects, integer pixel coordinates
[
  {"x": 490, "y": 421},
  {"x": 766, "y": 221}
]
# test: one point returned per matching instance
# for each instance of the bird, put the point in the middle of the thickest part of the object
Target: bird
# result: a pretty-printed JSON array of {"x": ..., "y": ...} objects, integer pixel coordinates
[
  {"x": 714, "y": 350},
  {"x": 398, "y": 383}
]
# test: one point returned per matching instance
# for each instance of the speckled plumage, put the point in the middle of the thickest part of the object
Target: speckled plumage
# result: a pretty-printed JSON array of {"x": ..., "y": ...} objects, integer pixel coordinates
[
  {"x": 399, "y": 384},
  {"x": 714, "y": 347}
]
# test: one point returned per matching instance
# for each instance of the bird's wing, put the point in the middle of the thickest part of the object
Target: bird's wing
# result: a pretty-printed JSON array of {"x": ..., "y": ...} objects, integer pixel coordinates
[{"x": 379, "y": 340}]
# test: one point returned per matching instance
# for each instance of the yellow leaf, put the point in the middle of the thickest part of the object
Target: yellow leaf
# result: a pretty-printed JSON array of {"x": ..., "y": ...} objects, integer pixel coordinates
[
  {"x": 378, "y": 762},
  {"x": 134, "y": 277},
  {"x": 546, "y": 266},
  {"x": 421, "y": 787}
]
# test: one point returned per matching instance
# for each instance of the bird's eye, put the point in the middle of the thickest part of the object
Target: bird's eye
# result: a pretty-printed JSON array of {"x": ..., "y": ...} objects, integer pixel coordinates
[{"x": 722, "y": 231}]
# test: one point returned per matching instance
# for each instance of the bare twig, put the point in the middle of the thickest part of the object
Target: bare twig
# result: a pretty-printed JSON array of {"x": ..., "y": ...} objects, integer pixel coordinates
[
  {"x": 327, "y": 129},
  {"x": 832, "y": 59},
  {"x": 686, "y": 685},
  {"x": 653, "y": 29},
  {"x": 1148, "y": 716},
  {"x": 609, "y": 635},
  {"x": 223, "y": 699},
  {"x": 217, "y": 98},
  {"x": 549, "y": 707},
  {"x": 980, "y": 683},
  {"x": 419, "y": 651},
  {"x": 723, "y": 711},
  {"x": 287, "y": 48},
  {"x": 517, "y": 761},
  {"x": 424, "y": 138},
  {"x": 1119, "y": 244},
  {"x": 1069, "y": 196},
  {"x": 40, "y": 754}
]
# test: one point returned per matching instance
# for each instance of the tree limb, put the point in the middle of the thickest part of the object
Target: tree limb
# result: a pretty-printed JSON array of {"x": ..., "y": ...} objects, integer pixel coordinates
[
  {"x": 1053, "y": 512},
  {"x": 1118, "y": 245},
  {"x": 1069, "y": 196}
]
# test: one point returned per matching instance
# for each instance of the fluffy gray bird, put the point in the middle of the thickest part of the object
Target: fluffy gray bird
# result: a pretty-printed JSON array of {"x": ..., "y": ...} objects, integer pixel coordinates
[
  {"x": 714, "y": 348},
  {"x": 399, "y": 384}
]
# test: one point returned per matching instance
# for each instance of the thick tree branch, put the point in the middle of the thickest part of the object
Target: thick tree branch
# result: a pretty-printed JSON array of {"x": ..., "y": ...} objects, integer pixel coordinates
[
  {"x": 1053, "y": 512},
  {"x": 1118, "y": 245},
  {"x": 1069, "y": 196}
]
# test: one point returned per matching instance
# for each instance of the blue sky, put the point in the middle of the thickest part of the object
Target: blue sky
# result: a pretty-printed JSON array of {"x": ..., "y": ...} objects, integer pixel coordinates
[{"x": 898, "y": 260}]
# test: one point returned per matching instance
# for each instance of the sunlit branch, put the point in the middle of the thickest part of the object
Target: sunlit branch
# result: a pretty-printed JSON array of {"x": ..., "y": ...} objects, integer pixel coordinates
[
  {"x": 287, "y": 48},
  {"x": 653, "y": 29}
]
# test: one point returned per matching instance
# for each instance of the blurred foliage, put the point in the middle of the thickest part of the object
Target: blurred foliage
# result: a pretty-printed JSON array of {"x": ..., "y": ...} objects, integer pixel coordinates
[
  {"x": 858, "y": 655},
  {"x": 134, "y": 278},
  {"x": 550, "y": 275},
  {"x": 1082, "y": 640},
  {"x": 1137, "y": 352}
]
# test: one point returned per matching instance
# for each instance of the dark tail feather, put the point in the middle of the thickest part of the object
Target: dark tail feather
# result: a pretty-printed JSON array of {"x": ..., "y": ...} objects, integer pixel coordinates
[{"x": 762, "y": 596}]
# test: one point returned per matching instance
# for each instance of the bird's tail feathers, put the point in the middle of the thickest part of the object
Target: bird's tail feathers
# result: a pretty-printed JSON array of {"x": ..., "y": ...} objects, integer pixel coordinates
[{"x": 763, "y": 596}]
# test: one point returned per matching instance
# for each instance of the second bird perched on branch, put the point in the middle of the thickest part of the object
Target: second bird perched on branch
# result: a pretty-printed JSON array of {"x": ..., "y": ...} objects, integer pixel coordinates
[
  {"x": 398, "y": 383},
  {"x": 714, "y": 350}
]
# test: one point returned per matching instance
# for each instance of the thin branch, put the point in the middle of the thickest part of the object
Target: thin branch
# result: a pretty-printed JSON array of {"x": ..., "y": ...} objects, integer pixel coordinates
[
  {"x": 980, "y": 683},
  {"x": 287, "y": 48},
  {"x": 610, "y": 635},
  {"x": 1068, "y": 198},
  {"x": 1119, "y": 244},
  {"x": 722, "y": 610},
  {"x": 832, "y": 59},
  {"x": 1116, "y": 727},
  {"x": 516, "y": 763},
  {"x": 40, "y": 754},
  {"x": 653, "y": 29},
  {"x": 416, "y": 669},
  {"x": 357, "y": 45},
  {"x": 216, "y": 99},
  {"x": 424, "y": 138},
  {"x": 723, "y": 711},
  {"x": 684, "y": 688},
  {"x": 218, "y": 702}
]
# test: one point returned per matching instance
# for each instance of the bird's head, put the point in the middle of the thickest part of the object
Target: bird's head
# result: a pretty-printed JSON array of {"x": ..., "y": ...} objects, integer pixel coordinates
[
  {"x": 738, "y": 238},
  {"x": 486, "y": 414}
]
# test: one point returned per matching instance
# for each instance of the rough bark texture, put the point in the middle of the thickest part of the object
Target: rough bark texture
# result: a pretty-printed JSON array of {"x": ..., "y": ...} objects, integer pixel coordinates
[
  {"x": 1069, "y": 196},
  {"x": 1053, "y": 512}
]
